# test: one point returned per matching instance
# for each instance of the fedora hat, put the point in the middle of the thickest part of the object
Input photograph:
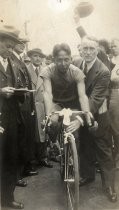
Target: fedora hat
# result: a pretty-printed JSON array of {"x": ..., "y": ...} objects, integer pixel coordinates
[
  {"x": 36, "y": 50},
  {"x": 23, "y": 39},
  {"x": 10, "y": 32}
]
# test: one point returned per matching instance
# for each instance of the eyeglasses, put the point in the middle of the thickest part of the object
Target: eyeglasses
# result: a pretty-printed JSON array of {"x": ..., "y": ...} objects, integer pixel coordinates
[{"x": 88, "y": 49}]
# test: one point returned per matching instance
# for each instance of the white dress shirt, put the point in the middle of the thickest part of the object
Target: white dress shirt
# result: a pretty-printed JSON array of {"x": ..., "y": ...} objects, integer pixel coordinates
[{"x": 4, "y": 62}]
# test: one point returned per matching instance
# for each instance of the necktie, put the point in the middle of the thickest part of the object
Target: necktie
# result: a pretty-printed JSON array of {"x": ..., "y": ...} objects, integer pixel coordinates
[
  {"x": 85, "y": 70},
  {"x": 36, "y": 70},
  {"x": 20, "y": 58}
]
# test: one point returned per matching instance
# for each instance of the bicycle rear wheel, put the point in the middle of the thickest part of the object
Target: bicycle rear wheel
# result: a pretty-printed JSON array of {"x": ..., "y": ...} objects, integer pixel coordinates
[{"x": 72, "y": 174}]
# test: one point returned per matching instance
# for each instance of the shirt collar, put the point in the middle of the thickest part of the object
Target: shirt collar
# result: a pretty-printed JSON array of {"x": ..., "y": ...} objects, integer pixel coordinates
[
  {"x": 115, "y": 60},
  {"x": 16, "y": 55},
  {"x": 1, "y": 59},
  {"x": 89, "y": 65},
  {"x": 34, "y": 67}
]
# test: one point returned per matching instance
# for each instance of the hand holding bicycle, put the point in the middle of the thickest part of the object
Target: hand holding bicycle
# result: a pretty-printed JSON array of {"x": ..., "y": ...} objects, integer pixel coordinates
[{"x": 73, "y": 126}]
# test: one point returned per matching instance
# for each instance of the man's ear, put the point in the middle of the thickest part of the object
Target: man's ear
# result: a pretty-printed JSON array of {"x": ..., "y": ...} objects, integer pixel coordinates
[{"x": 98, "y": 49}]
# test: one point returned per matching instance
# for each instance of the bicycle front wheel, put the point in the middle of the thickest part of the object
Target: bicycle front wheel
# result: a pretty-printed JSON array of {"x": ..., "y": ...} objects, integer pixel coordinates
[{"x": 72, "y": 174}]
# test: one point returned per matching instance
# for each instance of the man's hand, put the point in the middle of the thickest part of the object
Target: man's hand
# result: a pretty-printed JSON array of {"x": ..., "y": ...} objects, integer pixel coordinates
[
  {"x": 74, "y": 125},
  {"x": 8, "y": 91},
  {"x": 1, "y": 129},
  {"x": 76, "y": 17},
  {"x": 93, "y": 128},
  {"x": 89, "y": 119}
]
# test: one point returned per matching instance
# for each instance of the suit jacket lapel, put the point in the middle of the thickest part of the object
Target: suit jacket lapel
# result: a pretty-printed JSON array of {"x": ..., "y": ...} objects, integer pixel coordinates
[
  {"x": 13, "y": 69},
  {"x": 92, "y": 74},
  {"x": 39, "y": 82},
  {"x": 33, "y": 75},
  {"x": 2, "y": 69}
]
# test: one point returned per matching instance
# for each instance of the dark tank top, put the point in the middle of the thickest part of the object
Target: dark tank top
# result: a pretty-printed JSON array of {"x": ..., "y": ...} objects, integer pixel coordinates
[{"x": 64, "y": 91}]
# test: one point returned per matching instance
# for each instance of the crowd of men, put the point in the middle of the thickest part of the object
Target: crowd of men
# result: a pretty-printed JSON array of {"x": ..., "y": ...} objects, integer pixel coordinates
[{"x": 34, "y": 85}]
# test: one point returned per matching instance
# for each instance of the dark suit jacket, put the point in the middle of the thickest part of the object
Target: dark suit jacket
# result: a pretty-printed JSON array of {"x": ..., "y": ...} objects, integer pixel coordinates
[
  {"x": 28, "y": 112},
  {"x": 96, "y": 82},
  {"x": 17, "y": 82}
]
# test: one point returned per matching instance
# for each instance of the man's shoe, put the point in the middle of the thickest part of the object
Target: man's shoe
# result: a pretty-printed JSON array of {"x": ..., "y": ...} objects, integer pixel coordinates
[
  {"x": 98, "y": 170},
  {"x": 85, "y": 181},
  {"x": 111, "y": 194},
  {"x": 30, "y": 173},
  {"x": 45, "y": 163},
  {"x": 16, "y": 205},
  {"x": 21, "y": 183}
]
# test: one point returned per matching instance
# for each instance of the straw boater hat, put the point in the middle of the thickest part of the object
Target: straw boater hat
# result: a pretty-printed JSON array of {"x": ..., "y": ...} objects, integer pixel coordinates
[
  {"x": 36, "y": 50},
  {"x": 10, "y": 32}
]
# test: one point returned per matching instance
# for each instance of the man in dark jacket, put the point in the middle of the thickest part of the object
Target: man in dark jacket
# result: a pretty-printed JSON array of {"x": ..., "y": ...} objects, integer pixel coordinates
[
  {"x": 98, "y": 142},
  {"x": 10, "y": 116},
  {"x": 27, "y": 156}
]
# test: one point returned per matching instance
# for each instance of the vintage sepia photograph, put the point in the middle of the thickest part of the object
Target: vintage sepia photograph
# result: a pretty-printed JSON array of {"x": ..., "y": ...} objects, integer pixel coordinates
[{"x": 59, "y": 104}]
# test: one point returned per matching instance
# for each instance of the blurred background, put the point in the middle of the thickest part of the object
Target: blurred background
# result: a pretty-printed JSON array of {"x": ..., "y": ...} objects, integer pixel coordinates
[{"x": 47, "y": 22}]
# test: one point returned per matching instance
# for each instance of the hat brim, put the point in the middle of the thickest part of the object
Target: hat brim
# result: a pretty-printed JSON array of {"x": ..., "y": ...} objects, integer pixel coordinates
[
  {"x": 10, "y": 36},
  {"x": 30, "y": 52},
  {"x": 24, "y": 41}
]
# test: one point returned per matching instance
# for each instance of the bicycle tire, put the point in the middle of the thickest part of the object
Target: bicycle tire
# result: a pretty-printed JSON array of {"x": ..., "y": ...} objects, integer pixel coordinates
[
  {"x": 72, "y": 200},
  {"x": 62, "y": 168}
]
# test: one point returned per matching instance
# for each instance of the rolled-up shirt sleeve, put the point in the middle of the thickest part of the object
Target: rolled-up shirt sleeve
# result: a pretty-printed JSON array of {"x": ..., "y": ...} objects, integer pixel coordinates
[
  {"x": 45, "y": 73},
  {"x": 48, "y": 71},
  {"x": 78, "y": 75}
]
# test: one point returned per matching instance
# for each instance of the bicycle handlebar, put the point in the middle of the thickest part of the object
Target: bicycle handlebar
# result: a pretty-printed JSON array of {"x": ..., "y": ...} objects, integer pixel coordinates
[
  {"x": 67, "y": 113},
  {"x": 64, "y": 111}
]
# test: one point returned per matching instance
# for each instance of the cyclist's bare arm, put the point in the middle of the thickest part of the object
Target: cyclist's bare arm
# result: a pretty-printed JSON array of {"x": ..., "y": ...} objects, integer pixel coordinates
[
  {"x": 83, "y": 99},
  {"x": 48, "y": 97}
]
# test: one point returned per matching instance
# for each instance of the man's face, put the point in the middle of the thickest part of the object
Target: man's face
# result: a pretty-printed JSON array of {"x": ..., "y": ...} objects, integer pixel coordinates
[
  {"x": 36, "y": 59},
  {"x": 62, "y": 61},
  {"x": 6, "y": 46},
  {"x": 19, "y": 48},
  {"x": 115, "y": 47},
  {"x": 89, "y": 50}
]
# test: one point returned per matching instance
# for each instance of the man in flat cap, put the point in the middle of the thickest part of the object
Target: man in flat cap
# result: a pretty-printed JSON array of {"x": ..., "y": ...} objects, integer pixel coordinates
[
  {"x": 10, "y": 79},
  {"x": 37, "y": 56}
]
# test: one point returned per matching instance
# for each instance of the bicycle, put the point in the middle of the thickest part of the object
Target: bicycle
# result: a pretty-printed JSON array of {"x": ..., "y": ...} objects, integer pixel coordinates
[{"x": 69, "y": 165}]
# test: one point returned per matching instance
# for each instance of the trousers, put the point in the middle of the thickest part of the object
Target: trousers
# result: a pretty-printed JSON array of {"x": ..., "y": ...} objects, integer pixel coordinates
[{"x": 98, "y": 147}]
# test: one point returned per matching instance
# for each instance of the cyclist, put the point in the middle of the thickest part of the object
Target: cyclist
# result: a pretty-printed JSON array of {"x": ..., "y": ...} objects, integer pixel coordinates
[{"x": 64, "y": 85}]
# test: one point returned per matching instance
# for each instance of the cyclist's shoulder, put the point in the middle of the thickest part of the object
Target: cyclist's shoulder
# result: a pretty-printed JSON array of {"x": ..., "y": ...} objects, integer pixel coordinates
[
  {"x": 75, "y": 71},
  {"x": 74, "y": 68},
  {"x": 49, "y": 70}
]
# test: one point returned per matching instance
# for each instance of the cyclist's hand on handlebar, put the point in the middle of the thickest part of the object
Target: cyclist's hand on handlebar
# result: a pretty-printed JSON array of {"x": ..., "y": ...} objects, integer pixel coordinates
[
  {"x": 74, "y": 125},
  {"x": 89, "y": 119},
  {"x": 94, "y": 127}
]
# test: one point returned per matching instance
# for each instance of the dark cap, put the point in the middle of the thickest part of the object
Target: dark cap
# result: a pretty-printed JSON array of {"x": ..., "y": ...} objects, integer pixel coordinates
[{"x": 36, "y": 50}]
